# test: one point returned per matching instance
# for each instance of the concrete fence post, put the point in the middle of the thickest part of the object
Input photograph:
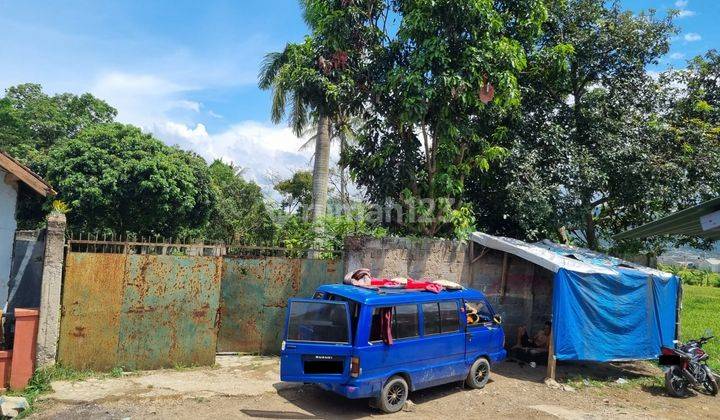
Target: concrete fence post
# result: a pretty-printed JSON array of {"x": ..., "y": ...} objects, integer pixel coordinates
[{"x": 49, "y": 325}]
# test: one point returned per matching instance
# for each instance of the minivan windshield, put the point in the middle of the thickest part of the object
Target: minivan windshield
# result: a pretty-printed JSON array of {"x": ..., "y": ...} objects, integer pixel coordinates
[{"x": 318, "y": 321}]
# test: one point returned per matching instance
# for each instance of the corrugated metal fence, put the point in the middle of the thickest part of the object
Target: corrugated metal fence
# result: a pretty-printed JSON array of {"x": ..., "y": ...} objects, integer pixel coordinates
[
  {"x": 255, "y": 293},
  {"x": 153, "y": 305}
]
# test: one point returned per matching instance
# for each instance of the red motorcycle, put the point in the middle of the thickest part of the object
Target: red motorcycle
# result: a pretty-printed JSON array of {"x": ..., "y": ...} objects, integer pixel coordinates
[{"x": 686, "y": 366}]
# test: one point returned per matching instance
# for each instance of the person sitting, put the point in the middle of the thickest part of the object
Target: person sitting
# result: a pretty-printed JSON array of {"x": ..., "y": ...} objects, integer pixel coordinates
[
  {"x": 532, "y": 350},
  {"x": 541, "y": 340}
]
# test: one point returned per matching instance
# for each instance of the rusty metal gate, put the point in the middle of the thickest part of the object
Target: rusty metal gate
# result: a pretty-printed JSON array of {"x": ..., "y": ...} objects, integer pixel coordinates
[
  {"x": 139, "y": 311},
  {"x": 254, "y": 295}
]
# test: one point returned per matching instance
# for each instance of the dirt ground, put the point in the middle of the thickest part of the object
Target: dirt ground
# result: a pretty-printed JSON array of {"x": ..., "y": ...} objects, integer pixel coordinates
[{"x": 249, "y": 387}]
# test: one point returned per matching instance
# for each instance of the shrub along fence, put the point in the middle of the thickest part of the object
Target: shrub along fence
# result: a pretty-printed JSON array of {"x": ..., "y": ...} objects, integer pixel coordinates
[{"x": 146, "y": 305}]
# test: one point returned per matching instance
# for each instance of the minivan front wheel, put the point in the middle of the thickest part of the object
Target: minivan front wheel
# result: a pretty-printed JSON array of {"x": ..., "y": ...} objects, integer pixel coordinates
[
  {"x": 479, "y": 374},
  {"x": 393, "y": 395}
]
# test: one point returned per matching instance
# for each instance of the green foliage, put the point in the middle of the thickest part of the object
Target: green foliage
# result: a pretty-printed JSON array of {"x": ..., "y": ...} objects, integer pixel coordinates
[
  {"x": 31, "y": 121},
  {"x": 328, "y": 234},
  {"x": 588, "y": 153},
  {"x": 239, "y": 213},
  {"x": 59, "y": 206},
  {"x": 116, "y": 178},
  {"x": 693, "y": 276},
  {"x": 296, "y": 192},
  {"x": 426, "y": 129}
]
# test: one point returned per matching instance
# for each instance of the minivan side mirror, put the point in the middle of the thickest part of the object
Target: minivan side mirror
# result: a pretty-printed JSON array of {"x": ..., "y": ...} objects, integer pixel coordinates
[{"x": 497, "y": 319}]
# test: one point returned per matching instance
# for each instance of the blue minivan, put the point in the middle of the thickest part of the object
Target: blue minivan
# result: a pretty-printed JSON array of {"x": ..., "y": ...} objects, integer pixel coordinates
[{"x": 384, "y": 343}]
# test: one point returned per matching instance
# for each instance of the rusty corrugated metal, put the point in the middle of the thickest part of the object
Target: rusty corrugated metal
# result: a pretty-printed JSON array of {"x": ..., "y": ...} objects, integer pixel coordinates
[
  {"x": 242, "y": 294},
  {"x": 254, "y": 297},
  {"x": 91, "y": 302},
  {"x": 151, "y": 311},
  {"x": 169, "y": 311},
  {"x": 139, "y": 311}
]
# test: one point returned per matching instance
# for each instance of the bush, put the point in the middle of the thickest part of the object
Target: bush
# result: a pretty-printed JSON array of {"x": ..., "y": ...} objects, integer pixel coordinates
[{"x": 693, "y": 276}]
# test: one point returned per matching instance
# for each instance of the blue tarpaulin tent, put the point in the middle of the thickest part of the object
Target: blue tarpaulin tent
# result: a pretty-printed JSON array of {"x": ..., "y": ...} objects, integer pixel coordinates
[{"x": 604, "y": 308}]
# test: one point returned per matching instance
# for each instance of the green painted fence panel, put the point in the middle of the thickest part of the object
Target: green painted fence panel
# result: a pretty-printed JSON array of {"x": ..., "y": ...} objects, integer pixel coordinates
[
  {"x": 254, "y": 294},
  {"x": 241, "y": 311},
  {"x": 169, "y": 311}
]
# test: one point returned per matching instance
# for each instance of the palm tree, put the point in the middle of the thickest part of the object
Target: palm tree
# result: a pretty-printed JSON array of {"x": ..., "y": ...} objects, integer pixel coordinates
[
  {"x": 297, "y": 84},
  {"x": 342, "y": 132}
]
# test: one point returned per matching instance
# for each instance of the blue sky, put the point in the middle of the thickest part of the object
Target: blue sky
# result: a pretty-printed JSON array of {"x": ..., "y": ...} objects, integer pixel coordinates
[{"x": 187, "y": 70}]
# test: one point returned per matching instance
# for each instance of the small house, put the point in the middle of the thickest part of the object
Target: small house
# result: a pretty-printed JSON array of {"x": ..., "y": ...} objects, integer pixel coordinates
[{"x": 13, "y": 177}]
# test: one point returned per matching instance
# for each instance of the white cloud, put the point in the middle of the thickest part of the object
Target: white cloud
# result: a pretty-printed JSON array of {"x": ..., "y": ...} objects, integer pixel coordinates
[
  {"x": 685, "y": 13},
  {"x": 681, "y": 3},
  {"x": 692, "y": 36},
  {"x": 152, "y": 102},
  {"x": 141, "y": 99},
  {"x": 259, "y": 148},
  {"x": 189, "y": 105},
  {"x": 677, "y": 56}
]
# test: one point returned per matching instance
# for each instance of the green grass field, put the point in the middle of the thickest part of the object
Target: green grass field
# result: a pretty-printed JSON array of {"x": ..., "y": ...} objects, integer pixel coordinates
[{"x": 701, "y": 310}]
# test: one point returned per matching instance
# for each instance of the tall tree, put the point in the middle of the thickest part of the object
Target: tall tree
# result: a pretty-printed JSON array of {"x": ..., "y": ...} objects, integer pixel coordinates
[
  {"x": 240, "y": 213},
  {"x": 296, "y": 192},
  {"x": 586, "y": 146},
  {"x": 116, "y": 178},
  {"x": 428, "y": 124},
  {"x": 313, "y": 80},
  {"x": 294, "y": 77},
  {"x": 32, "y": 121}
]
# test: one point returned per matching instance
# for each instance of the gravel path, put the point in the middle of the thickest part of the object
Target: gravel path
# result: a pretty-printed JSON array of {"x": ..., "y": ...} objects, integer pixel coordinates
[{"x": 248, "y": 387}]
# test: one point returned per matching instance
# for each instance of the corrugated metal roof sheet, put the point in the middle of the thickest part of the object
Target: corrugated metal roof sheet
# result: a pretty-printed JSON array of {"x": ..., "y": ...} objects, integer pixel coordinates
[
  {"x": 554, "y": 257},
  {"x": 685, "y": 222}
]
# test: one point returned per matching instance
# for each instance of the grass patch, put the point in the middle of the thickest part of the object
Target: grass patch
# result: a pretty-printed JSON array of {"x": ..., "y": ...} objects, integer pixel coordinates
[
  {"x": 40, "y": 381},
  {"x": 700, "y": 312},
  {"x": 580, "y": 382}
]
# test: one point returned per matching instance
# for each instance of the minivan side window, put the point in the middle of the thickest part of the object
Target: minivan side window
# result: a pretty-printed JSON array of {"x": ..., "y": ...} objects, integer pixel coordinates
[
  {"x": 440, "y": 317},
  {"x": 405, "y": 323},
  {"x": 477, "y": 313},
  {"x": 431, "y": 318},
  {"x": 449, "y": 319}
]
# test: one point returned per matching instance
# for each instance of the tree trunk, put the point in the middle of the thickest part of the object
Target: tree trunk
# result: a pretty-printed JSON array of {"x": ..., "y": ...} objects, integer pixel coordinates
[
  {"x": 344, "y": 196},
  {"x": 590, "y": 236},
  {"x": 321, "y": 169}
]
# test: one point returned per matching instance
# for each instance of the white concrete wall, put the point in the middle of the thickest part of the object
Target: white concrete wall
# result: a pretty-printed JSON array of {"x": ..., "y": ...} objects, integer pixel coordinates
[{"x": 8, "y": 224}]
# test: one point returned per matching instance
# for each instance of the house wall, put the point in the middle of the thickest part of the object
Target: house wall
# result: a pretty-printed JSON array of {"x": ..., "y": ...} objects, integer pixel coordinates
[
  {"x": 528, "y": 292},
  {"x": 26, "y": 275},
  {"x": 8, "y": 224}
]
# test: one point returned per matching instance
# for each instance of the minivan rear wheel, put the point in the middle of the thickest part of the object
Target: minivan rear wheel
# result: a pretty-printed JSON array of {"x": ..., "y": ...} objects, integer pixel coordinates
[
  {"x": 479, "y": 374},
  {"x": 393, "y": 395}
]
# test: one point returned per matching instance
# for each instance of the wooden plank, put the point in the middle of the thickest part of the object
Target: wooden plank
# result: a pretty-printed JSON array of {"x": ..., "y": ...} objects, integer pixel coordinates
[
  {"x": 503, "y": 276},
  {"x": 551, "y": 356},
  {"x": 25, "y": 175}
]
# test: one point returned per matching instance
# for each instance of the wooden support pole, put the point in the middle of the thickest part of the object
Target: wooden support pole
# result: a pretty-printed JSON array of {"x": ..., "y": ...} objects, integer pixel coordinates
[
  {"x": 551, "y": 356},
  {"x": 503, "y": 277}
]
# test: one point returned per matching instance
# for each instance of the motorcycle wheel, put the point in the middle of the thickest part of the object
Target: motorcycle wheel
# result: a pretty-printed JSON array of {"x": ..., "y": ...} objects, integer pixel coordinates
[
  {"x": 675, "y": 384},
  {"x": 710, "y": 383}
]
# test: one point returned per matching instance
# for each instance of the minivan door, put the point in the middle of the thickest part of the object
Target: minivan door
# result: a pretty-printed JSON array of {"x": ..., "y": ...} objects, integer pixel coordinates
[
  {"x": 479, "y": 330},
  {"x": 317, "y": 344}
]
